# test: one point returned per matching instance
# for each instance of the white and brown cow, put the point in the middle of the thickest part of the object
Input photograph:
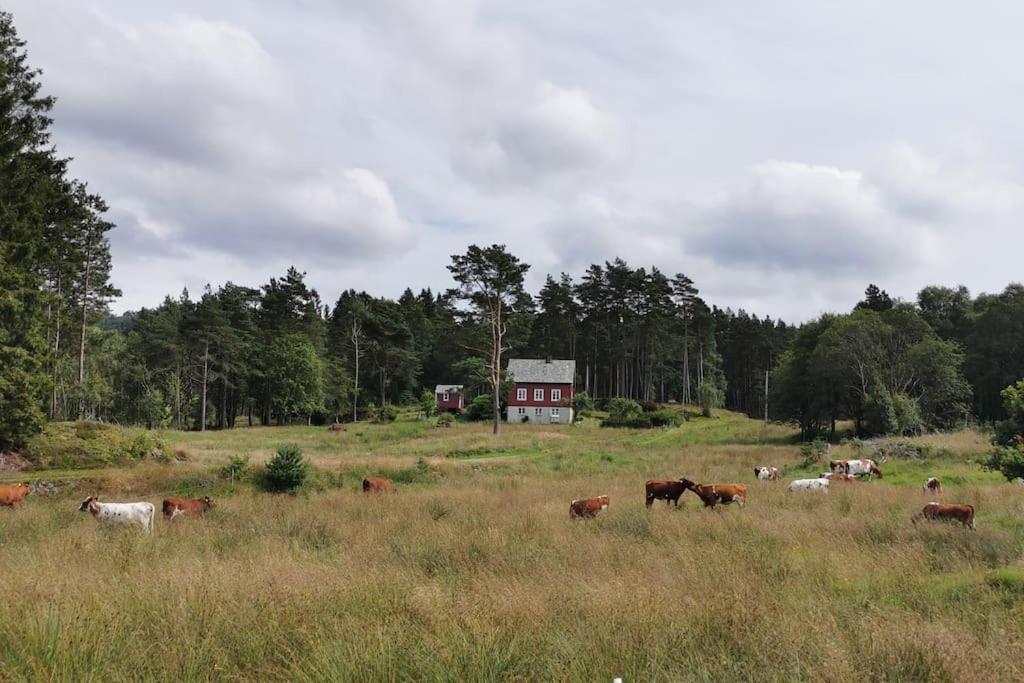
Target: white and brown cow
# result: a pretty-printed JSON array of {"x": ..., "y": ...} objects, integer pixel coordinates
[
  {"x": 585, "y": 508},
  {"x": 766, "y": 473},
  {"x": 140, "y": 514},
  {"x": 932, "y": 485}
]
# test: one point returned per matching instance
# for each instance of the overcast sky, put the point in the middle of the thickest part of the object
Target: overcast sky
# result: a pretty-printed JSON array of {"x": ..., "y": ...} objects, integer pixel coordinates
[{"x": 781, "y": 154}]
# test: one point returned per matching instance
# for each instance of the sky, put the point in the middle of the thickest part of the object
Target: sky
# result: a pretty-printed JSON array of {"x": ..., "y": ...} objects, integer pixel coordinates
[{"x": 783, "y": 155}]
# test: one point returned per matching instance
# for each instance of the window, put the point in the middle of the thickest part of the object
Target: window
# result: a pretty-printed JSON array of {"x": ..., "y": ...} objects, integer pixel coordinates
[
  {"x": 538, "y": 412},
  {"x": 522, "y": 411},
  {"x": 520, "y": 394},
  {"x": 554, "y": 413},
  {"x": 538, "y": 394},
  {"x": 445, "y": 396},
  {"x": 556, "y": 394}
]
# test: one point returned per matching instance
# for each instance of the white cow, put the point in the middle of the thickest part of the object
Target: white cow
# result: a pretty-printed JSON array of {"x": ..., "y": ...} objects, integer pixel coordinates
[
  {"x": 766, "y": 473},
  {"x": 809, "y": 485},
  {"x": 120, "y": 513},
  {"x": 865, "y": 467}
]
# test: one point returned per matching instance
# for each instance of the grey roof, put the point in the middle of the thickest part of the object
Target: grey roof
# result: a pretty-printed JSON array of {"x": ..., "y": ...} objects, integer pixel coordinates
[
  {"x": 450, "y": 388},
  {"x": 542, "y": 371}
]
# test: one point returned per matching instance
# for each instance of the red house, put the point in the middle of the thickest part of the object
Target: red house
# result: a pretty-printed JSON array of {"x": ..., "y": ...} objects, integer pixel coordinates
[
  {"x": 449, "y": 398},
  {"x": 542, "y": 390}
]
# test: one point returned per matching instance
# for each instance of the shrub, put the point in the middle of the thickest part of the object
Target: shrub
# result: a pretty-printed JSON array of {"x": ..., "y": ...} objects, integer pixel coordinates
[
  {"x": 661, "y": 418},
  {"x": 386, "y": 413},
  {"x": 650, "y": 406},
  {"x": 236, "y": 467},
  {"x": 428, "y": 403},
  {"x": 445, "y": 419},
  {"x": 94, "y": 444},
  {"x": 287, "y": 470},
  {"x": 582, "y": 405},
  {"x": 1008, "y": 460},
  {"x": 710, "y": 397},
  {"x": 480, "y": 409},
  {"x": 812, "y": 452},
  {"x": 623, "y": 408}
]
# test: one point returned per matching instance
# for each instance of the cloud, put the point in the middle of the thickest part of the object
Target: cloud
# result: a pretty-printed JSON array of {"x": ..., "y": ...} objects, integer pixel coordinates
[
  {"x": 560, "y": 132},
  {"x": 799, "y": 216}
]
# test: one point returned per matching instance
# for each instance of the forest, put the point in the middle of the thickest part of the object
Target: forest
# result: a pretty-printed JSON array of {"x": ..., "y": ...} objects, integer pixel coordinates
[{"x": 278, "y": 353}]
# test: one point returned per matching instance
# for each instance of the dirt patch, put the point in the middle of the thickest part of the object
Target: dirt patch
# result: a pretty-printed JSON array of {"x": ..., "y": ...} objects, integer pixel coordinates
[{"x": 13, "y": 462}]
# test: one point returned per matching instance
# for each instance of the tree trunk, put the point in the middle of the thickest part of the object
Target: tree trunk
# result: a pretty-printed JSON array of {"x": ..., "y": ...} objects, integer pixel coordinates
[
  {"x": 496, "y": 339},
  {"x": 81, "y": 348},
  {"x": 355, "y": 374},
  {"x": 206, "y": 369}
]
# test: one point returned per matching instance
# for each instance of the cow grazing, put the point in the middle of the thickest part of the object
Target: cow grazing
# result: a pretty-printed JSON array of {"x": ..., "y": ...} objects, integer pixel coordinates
[
  {"x": 12, "y": 494},
  {"x": 173, "y": 507},
  {"x": 837, "y": 465},
  {"x": 376, "y": 485},
  {"x": 944, "y": 512},
  {"x": 766, "y": 473},
  {"x": 668, "y": 491},
  {"x": 838, "y": 476},
  {"x": 863, "y": 468},
  {"x": 819, "y": 484},
  {"x": 585, "y": 508},
  {"x": 932, "y": 485},
  {"x": 713, "y": 495},
  {"x": 141, "y": 513}
]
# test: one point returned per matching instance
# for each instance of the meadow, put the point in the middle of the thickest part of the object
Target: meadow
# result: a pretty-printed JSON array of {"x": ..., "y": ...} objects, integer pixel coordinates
[{"x": 473, "y": 570}]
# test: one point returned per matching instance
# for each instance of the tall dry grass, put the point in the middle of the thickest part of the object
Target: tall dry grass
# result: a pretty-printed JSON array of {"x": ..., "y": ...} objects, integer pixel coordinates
[{"x": 477, "y": 573}]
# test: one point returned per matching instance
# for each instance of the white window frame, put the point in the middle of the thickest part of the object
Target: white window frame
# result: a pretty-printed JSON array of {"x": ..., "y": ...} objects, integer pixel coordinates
[
  {"x": 538, "y": 394},
  {"x": 521, "y": 394},
  {"x": 555, "y": 413},
  {"x": 522, "y": 411},
  {"x": 445, "y": 396},
  {"x": 538, "y": 412},
  {"x": 556, "y": 394}
]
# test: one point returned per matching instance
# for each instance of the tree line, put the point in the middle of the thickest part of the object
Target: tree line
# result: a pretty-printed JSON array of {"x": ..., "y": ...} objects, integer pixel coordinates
[{"x": 277, "y": 353}]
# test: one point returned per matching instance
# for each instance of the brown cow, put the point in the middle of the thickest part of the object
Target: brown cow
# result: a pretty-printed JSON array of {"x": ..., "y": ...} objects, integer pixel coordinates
[
  {"x": 718, "y": 494},
  {"x": 944, "y": 512},
  {"x": 932, "y": 485},
  {"x": 174, "y": 507},
  {"x": 840, "y": 477},
  {"x": 376, "y": 485},
  {"x": 12, "y": 494},
  {"x": 837, "y": 465},
  {"x": 587, "y": 507},
  {"x": 668, "y": 491}
]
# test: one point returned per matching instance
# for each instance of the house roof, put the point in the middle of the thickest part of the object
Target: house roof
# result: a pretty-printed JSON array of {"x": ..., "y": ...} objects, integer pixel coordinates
[
  {"x": 540, "y": 371},
  {"x": 450, "y": 388}
]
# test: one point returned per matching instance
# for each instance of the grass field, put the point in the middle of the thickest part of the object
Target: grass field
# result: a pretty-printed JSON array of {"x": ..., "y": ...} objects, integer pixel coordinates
[{"x": 473, "y": 570}]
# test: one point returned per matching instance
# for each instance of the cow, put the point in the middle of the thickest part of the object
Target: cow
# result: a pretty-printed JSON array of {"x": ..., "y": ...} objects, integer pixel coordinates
[
  {"x": 141, "y": 513},
  {"x": 12, "y": 494},
  {"x": 376, "y": 485},
  {"x": 585, "y": 508},
  {"x": 766, "y": 473},
  {"x": 863, "y": 468},
  {"x": 932, "y": 485},
  {"x": 186, "y": 506},
  {"x": 818, "y": 484},
  {"x": 713, "y": 495},
  {"x": 668, "y": 491},
  {"x": 838, "y": 476},
  {"x": 837, "y": 465},
  {"x": 338, "y": 427},
  {"x": 944, "y": 512}
]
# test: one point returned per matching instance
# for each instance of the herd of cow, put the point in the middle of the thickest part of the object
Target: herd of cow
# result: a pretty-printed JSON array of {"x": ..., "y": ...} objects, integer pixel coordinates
[
  {"x": 142, "y": 513},
  {"x": 713, "y": 495}
]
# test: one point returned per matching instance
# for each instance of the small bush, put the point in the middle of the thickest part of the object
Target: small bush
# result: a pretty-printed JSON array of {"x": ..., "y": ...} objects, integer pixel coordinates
[
  {"x": 445, "y": 419},
  {"x": 480, "y": 409},
  {"x": 428, "y": 403},
  {"x": 287, "y": 470},
  {"x": 386, "y": 413},
  {"x": 710, "y": 397},
  {"x": 236, "y": 468},
  {"x": 650, "y": 406},
  {"x": 813, "y": 452},
  {"x": 1009, "y": 461},
  {"x": 661, "y": 418},
  {"x": 623, "y": 408},
  {"x": 582, "y": 404}
]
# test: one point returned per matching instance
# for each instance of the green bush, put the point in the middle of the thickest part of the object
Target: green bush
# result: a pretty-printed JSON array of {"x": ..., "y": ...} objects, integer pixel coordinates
[
  {"x": 582, "y": 405},
  {"x": 428, "y": 403},
  {"x": 71, "y": 445},
  {"x": 650, "y": 406},
  {"x": 661, "y": 418},
  {"x": 287, "y": 470},
  {"x": 623, "y": 408},
  {"x": 1008, "y": 455},
  {"x": 235, "y": 468},
  {"x": 480, "y": 409},
  {"x": 710, "y": 397},
  {"x": 386, "y": 413},
  {"x": 1008, "y": 460},
  {"x": 445, "y": 419}
]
